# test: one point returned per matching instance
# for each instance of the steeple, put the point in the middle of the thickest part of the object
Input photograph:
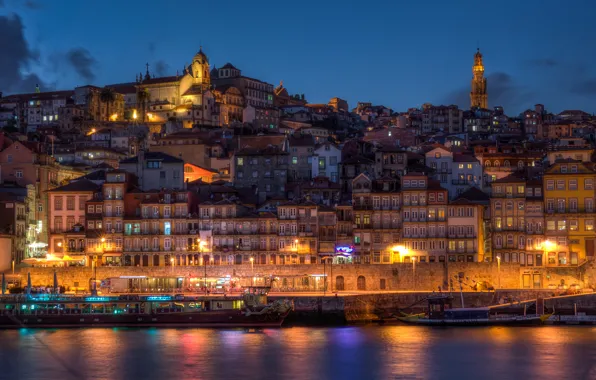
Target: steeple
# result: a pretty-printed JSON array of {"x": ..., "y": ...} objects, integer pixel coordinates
[
  {"x": 147, "y": 76},
  {"x": 479, "y": 95}
]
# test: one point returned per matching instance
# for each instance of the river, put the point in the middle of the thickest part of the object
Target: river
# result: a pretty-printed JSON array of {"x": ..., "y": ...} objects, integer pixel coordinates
[{"x": 369, "y": 352}]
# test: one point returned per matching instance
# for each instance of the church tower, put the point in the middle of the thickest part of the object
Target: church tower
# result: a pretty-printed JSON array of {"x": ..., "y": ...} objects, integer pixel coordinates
[
  {"x": 200, "y": 69},
  {"x": 478, "y": 96}
]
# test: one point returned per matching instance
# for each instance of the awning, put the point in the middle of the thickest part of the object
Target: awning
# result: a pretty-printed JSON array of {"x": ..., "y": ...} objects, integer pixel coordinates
[{"x": 111, "y": 255}]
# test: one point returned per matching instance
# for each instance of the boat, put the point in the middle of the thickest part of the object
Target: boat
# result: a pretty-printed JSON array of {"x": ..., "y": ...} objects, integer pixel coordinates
[
  {"x": 250, "y": 310},
  {"x": 441, "y": 313}
]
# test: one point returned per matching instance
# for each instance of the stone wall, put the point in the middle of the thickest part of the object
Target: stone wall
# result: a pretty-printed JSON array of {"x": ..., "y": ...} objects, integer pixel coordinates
[{"x": 402, "y": 276}]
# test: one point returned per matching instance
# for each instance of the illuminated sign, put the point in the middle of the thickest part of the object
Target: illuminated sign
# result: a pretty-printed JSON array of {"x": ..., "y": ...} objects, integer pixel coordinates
[
  {"x": 97, "y": 299},
  {"x": 159, "y": 298},
  {"x": 345, "y": 249}
]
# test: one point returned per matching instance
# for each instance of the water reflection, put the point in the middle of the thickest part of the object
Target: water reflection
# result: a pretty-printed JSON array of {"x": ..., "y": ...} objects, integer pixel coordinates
[{"x": 392, "y": 352}]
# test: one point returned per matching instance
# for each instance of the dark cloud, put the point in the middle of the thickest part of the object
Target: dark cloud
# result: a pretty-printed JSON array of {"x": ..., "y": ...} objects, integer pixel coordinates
[
  {"x": 585, "y": 87},
  {"x": 503, "y": 90},
  {"x": 16, "y": 58},
  {"x": 30, "y": 4},
  {"x": 161, "y": 68},
  {"x": 543, "y": 62},
  {"x": 83, "y": 63}
]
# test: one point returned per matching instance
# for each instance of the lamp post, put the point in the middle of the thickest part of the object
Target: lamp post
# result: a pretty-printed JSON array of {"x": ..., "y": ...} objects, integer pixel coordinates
[
  {"x": 252, "y": 270},
  {"x": 13, "y": 266},
  {"x": 499, "y": 272},
  {"x": 414, "y": 271}
]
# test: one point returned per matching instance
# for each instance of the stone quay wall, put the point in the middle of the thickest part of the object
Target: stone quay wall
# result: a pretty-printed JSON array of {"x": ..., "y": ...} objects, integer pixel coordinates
[{"x": 394, "y": 277}]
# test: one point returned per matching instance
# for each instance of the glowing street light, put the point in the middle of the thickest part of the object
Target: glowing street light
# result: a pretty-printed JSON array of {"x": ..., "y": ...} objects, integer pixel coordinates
[
  {"x": 252, "y": 269},
  {"x": 499, "y": 271}
]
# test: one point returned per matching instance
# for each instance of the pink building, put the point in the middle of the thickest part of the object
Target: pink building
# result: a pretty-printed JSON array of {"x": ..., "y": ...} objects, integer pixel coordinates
[{"x": 67, "y": 217}]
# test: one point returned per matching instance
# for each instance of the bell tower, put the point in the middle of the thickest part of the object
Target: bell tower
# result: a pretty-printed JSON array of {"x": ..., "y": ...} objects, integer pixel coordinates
[
  {"x": 478, "y": 96},
  {"x": 200, "y": 69}
]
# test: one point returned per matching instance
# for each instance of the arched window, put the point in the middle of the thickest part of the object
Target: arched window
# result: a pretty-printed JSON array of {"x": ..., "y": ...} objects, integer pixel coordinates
[
  {"x": 498, "y": 241},
  {"x": 520, "y": 164},
  {"x": 361, "y": 283},
  {"x": 509, "y": 205},
  {"x": 487, "y": 163},
  {"x": 506, "y": 163},
  {"x": 497, "y": 164},
  {"x": 510, "y": 240},
  {"x": 497, "y": 205},
  {"x": 339, "y": 283},
  {"x": 522, "y": 242}
]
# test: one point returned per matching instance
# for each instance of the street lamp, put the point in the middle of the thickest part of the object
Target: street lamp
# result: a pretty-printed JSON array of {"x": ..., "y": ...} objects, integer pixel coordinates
[
  {"x": 499, "y": 271},
  {"x": 252, "y": 270},
  {"x": 414, "y": 271}
]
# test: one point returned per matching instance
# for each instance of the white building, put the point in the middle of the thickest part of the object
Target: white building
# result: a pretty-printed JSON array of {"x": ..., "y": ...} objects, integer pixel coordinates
[
  {"x": 456, "y": 172},
  {"x": 325, "y": 161}
]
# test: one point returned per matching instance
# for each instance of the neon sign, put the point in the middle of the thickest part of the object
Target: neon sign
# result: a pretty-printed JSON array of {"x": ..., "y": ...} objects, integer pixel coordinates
[
  {"x": 345, "y": 249},
  {"x": 97, "y": 299}
]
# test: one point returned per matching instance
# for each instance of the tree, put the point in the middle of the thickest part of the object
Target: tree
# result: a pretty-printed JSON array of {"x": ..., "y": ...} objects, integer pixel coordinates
[
  {"x": 107, "y": 96},
  {"x": 143, "y": 97}
]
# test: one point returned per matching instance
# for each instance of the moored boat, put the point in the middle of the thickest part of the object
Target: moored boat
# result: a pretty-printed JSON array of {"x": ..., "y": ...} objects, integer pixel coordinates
[
  {"x": 129, "y": 310},
  {"x": 440, "y": 313}
]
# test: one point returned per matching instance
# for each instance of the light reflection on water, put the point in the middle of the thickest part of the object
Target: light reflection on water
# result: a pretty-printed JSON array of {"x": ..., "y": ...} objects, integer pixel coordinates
[{"x": 392, "y": 352}]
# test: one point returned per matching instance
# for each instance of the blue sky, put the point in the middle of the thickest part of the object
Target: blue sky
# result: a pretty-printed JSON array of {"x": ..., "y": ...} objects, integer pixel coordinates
[{"x": 397, "y": 53}]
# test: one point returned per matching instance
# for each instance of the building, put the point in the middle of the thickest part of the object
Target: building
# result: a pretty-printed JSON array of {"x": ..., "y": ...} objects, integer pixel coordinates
[
  {"x": 262, "y": 163},
  {"x": 447, "y": 119},
  {"x": 155, "y": 170},
  {"x": 326, "y": 160},
  {"x": 301, "y": 156},
  {"x": 67, "y": 224},
  {"x": 377, "y": 219},
  {"x": 424, "y": 215},
  {"x": 255, "y": 92},
  {"x": 390, "y": 161},
  {"x": 479, "y": 95},
  {"x": 466, "y": 230},
  {"x": 13, "y": 221},
  {"x": 569, "y": 213}
]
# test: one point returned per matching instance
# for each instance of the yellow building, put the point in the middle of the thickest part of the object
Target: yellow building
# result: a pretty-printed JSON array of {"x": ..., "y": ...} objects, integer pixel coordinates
[{"x": 569, "y": 213}]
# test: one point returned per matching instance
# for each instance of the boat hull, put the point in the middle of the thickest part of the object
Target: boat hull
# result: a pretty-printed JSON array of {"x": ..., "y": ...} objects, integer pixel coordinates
[
  {"x": 514, "y": 321},
  {"x": 210, "y": 319}
]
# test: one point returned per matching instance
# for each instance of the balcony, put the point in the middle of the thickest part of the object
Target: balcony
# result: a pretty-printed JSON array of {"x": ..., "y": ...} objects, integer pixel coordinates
[
  {"x": 569, "y": 210},
  {"x": 461, "y": 236},
  {"x": 21, "y": 217}
]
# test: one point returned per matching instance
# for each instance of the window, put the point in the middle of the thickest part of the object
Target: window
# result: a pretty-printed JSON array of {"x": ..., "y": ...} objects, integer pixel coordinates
[
  {"x": 572, "y": 184},
  {"x": 322, "y": 163},
  {"x": 550, "y": 225},
  {"x": 550, "y": 185},
  {"x": 437, "y": 155},
  {"x": 240, "y": 161},
  {"x": 58, "y": 203},
  {"x": 560, "y": 184},
  {"x": 588, "y": 184},
  {"x": 562, "y": 225},
  {"x": 573, "y": 225},
  {"x": 498, "y": 223},
  {"x": 520, "y": 206},
  {"x": 91, "y": 209},
  {"x": 295, "y": 161},
  {"x": 589, "y": 225},
  {"x": 153, "y": 164},
  {"x": 70, "y": 203},
  {"x": 9, "y": 158},
  {"x": 19, "y": 173}
]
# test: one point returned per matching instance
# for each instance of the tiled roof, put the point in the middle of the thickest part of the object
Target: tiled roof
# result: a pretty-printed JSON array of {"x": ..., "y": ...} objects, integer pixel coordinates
[
  {"x": 170, "y": 79},
  {"x": 472, "y": 195},
  {"x": 77, "y": 186},
  {"x": 155, "y": 156}
]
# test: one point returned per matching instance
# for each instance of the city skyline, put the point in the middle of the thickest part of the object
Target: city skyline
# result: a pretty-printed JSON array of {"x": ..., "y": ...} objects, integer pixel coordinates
[{"x": 524, "y": 65}]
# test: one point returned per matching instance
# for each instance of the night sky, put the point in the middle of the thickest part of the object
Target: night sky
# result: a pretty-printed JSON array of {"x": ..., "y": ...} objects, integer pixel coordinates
[{"x": 397, "y": 53}]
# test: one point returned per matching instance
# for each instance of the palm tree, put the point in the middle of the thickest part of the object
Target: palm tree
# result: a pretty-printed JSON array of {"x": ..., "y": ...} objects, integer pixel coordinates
[
  {"x": 107, "y": 95},
  {"x": 143, "y": 97}
]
